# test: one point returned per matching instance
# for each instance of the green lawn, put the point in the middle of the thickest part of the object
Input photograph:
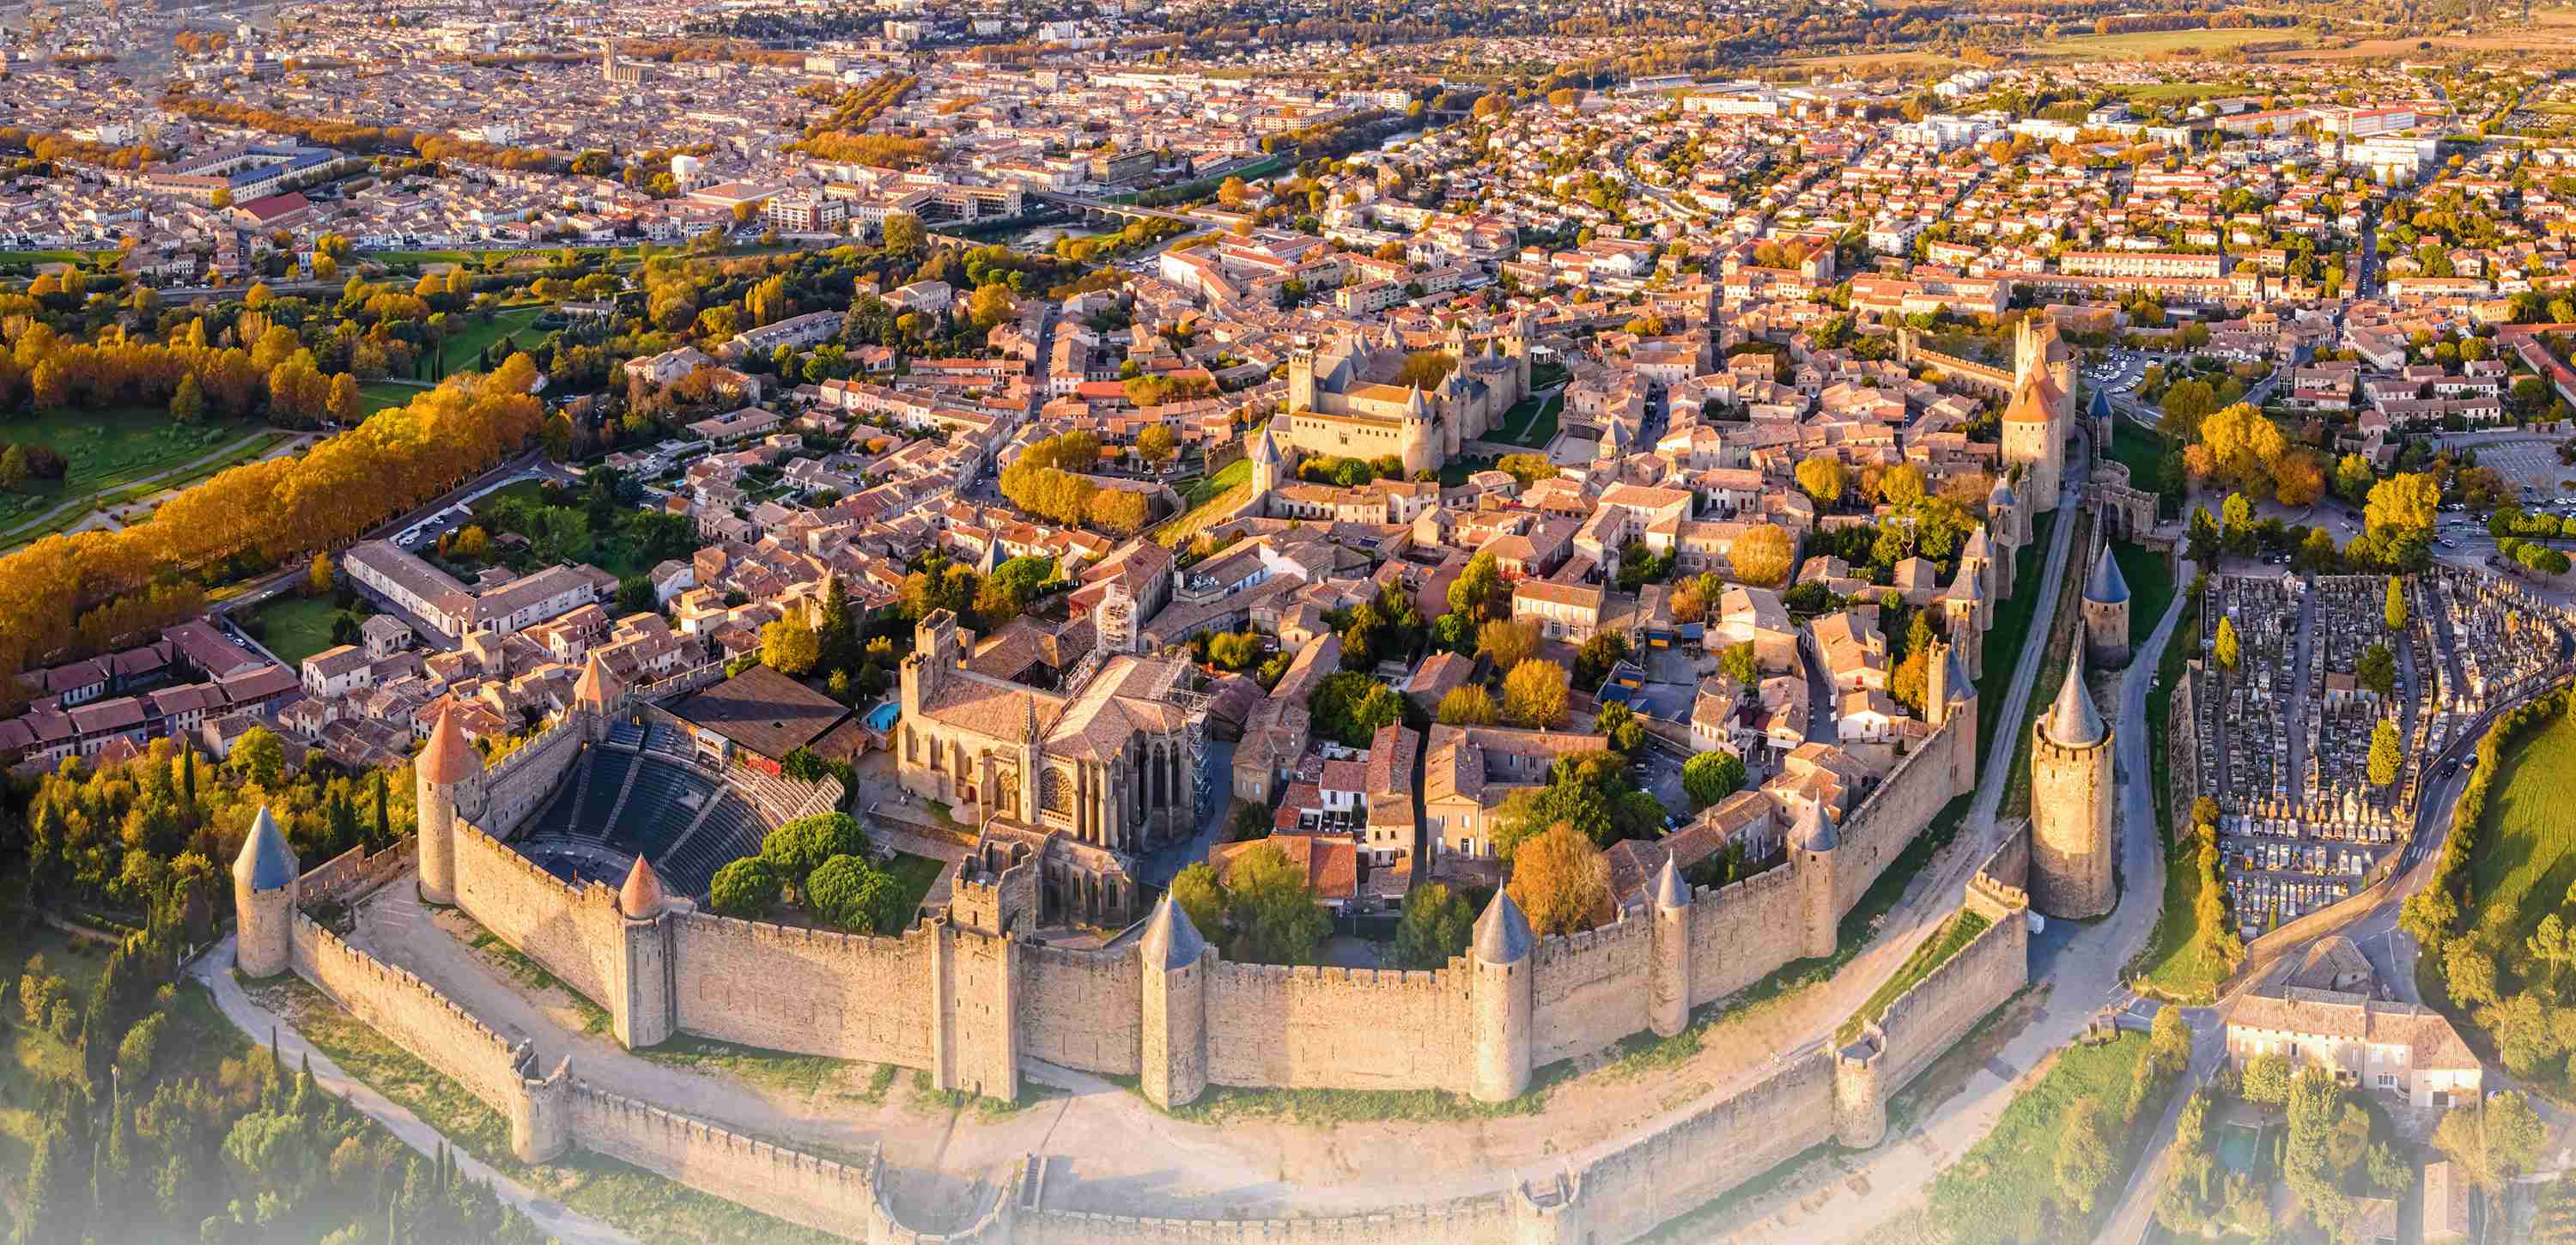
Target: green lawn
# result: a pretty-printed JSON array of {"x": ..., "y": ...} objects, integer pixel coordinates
[
  {"x": 296, "y": 627},
  {"x": 2065, "y": 644},
  {"x": 2524, "y": 856},
  {"x": 2151, "y": 43},
  {"x": 2143, "y": 453},
  {"x": 2004, "y": 640},
  {"x": 1531, "y": 423},
  {"x": 2175, "y": 965},
  {"x": 1953, "y": 937},
  {"x": 531, "y": 490},
  {"x": 914, "y": 874},
  {"x": 106, "y": 450},
  {"x": 383, "y": 396},
  {"x": 2151, "y": 587},
  {"x": 1208, "y": 497},
  {"x": 2005, "y": 1188},
  {"x": 462, "y": 349},
  {"x": 2161, "y": 93}
]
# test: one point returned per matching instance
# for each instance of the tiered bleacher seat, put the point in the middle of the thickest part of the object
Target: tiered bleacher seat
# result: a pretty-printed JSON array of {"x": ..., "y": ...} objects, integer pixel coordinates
[
  {"x": 607, "y": 778},
  {"x": 657, "y": 812},
  {"x": 626, "y": 735},
  {"x": 731, "y": 831},
  {"x": 667, "y": 741}
]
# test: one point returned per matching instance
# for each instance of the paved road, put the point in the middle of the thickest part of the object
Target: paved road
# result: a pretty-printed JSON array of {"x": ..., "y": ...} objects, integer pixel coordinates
[{"x": 214, "y": 970}]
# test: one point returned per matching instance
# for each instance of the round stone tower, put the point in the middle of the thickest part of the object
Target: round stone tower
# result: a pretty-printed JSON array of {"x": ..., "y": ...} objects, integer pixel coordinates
[
  {"x": 1498, "y": 1002},
  {"x": 541, "y": 1113},
  {"x": 1670, "y": 983},
  {"x": 643, "y": 1016},
  {"x": 2106, "y": 614},
  {"x": 264, "y": 899},
  {"x": 2070, "y": 805},
  {"x": 1174, "y": 1048},
  {"x": 445, "y": 771},
  {"x": 1813, "y": 843}
]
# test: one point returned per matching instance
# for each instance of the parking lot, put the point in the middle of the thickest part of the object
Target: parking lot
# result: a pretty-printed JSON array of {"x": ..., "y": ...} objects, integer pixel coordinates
[{"x": 2528, "y": 463}]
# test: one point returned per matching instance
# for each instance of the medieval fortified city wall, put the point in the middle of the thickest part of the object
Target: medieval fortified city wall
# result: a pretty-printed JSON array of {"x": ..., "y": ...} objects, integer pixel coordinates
[{"x": 956, "y": 998}]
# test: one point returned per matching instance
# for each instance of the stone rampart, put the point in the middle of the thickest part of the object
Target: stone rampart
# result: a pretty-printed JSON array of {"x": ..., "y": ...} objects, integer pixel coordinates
[
  {"x": 1590, "y": 991},
  {"x": 800, "y": 1188},
  {"x": 1742, "y": 932},
  {"x": 575, "y": 931},
  {"x": 1338, "y": 1028},
  {"x": 410, "y": 1012},
  {"x": 847, "y": 996},
  {"x": 352, "y": 873},
  {"x": 1937, "y": 1011},
  {"x": 1079, "y": 1009},
  {"x": 522, "y": 781},
  {"x": 1899, "y": 808},
  {"x": 1688, "y": 1161}
]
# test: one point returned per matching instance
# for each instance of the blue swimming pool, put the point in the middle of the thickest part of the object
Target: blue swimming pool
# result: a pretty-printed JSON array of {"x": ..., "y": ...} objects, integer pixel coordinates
[{"x": 882, "y": 718}]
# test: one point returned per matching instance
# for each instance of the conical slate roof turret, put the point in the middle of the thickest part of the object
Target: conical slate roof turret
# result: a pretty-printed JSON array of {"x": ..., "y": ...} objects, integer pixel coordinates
[
  {"x": 1814, "y": 832},
  {"x": 2106, "y": 587},
  {"x": 1172, "y": 941},
  {"x": 1503, "y": 934},
  {"x": 1669, "y": 891},
  {"x": 2072, "y": 721},
  {"x": 266, "y": 862}
]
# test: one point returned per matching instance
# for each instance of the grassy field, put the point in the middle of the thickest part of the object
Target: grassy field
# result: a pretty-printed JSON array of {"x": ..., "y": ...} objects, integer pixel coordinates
[
  {"x": 1208, "y": 497},
  {"x": 914, "y": 874},
  {"x": 2173, "y": 966},
  {"x": 1953, "y": 937},
  {"x": 2012, "y": 628},
  {"x": 2525, "y": 853},
  {"x": 462, "y": 349},
  {"x": 2065, "y": 644},
  {"x": 383, "y": 396},
  {"x": 2005, "y": 1188},
  {"x": 2151, "y": 587},
  {"x": 296, "y": 627},
  {"x": 2143, "y": 453},
  {"x": 1531, "y": 423},
  {"x": 2149, "y": 44},
  {"x": 634, "y": 1199},
  {"x": 104, "y": 450}
]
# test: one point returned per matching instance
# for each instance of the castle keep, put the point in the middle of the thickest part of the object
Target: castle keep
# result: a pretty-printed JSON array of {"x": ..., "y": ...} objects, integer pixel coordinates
[{"x": 1343, "y": 401}]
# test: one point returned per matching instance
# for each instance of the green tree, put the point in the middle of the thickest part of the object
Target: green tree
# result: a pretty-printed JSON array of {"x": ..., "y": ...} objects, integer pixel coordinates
[
  {"x": 847, "y": 891},
  {"x": 747, "y": 888},
  {"x": 1468, "y": 705},
  {"x": 260, "y": 757},
  {"x": 1709, "y": 777},
  {"x": 1436, "y": 926},
  {"x": 799, "y": 847},
  {"x": 2376, "y": 670},
  {"x": 2491, "y": 1142},
  {"x": 1201, "y": 899},
  {"x": 1480, "y": 592},
  {"x": 1823, "y": 477},
  {"x": 2267, "y": 1080},
  {"x": 2383, "y": 753},
  {"x": 1738, "y": 664},
  {"x": 1272, "y": 911},
  {"x": 789, "y": 646},
  {"x": 903, "y": 233}
]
